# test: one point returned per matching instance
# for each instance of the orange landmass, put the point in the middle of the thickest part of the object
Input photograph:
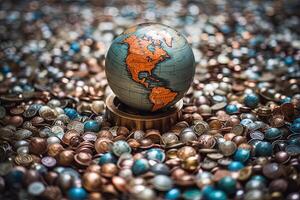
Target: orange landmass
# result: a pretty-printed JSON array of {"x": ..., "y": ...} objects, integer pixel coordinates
[
  {"x": 141, "y": 59},
  {"x": 161, "y": 97}
]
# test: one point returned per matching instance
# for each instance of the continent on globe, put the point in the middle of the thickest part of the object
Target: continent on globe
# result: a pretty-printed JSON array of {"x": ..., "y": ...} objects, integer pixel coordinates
[
  {"x": 161, "y": 97},
  {"x": 141, "y": 59},
  {"x": 150, "y": 66}
]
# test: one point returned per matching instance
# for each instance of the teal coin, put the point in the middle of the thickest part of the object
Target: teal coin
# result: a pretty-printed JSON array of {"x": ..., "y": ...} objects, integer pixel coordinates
[
  {"x": 227, "y": 184},
  {"x": 120, "y": 147},
  {"x": 264, "y": 148},
  {"x": 192, "y": 194},
  {"x": 273, "y": 133},
  {"x": 241, "y": 155},
  {"x": 140, "y": 166},
  {"x": 217, "y": 195}
]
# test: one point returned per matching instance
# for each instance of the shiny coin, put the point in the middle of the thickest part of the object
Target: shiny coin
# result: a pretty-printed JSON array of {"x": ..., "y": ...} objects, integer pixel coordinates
[
  {"x": 76, "y": 125},
  {"x": 200, "y": 127},
  {"x": 206, "y": 141},
  {"x": 215, "y": 156},
  {"x": 48, "y": 161},
  {"x": 238, "y": 129},
  {"x": 36, "y": 188},
  {"x": 292, "y": 150},
  {"x": 162, "y": 182},
  {"x": 277, "y": 121},
  {"x": 218, "y": 106},
  {"x": 208, "y": 164},
  {"x": 227, "y": 148},
  {"x": 224, "y": 161},
  {"x": 22, "y": 134},
  {"x": 24, "y": 160},
  {"x": 257, "y": 135},
  {"x": 30, "y": 112}
]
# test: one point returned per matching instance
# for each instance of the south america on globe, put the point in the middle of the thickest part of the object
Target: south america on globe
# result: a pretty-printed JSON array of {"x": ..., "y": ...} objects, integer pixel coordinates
[{"x": 150, "y": 67}]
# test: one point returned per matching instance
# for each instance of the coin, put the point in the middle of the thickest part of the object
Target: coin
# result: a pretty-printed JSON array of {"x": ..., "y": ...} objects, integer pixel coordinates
[
  {"x": 215, "y": 156},
  {"x": 238, "y": 129},
  {"x": 36, "y": 188},
  {"x": 218, "y": 106},
  {"x": 24, "y": 160},
  {"x": 200, "y": 127},
  {"x": 2, "y": 112},
  {"x": 208, "y": 164},
  {"x": 292, "y": 150},
  {"x": 257, "y": 135},
  {"x": 48, "y": 161}
]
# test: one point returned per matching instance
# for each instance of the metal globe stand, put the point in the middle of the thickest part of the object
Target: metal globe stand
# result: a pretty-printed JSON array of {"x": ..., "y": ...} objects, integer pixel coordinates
[{"x": 122, "y": 115}]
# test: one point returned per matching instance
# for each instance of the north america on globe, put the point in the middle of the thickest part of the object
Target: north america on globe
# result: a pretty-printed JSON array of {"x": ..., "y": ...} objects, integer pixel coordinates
[
  {"x": 155, "y": 57},
  {"x": 141, "y": 59}
]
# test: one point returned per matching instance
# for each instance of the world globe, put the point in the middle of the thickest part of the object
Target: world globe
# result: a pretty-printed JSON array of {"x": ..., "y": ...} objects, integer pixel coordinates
[{"x": 150, "y": 67}]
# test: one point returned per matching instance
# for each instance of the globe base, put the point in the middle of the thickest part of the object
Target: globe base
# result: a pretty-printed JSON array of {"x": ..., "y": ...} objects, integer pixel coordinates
[{"x": 122, "y": 115}]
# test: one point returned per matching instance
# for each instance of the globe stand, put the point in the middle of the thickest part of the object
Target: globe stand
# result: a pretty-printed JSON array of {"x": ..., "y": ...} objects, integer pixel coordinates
[{"x": 122, "y": 115}]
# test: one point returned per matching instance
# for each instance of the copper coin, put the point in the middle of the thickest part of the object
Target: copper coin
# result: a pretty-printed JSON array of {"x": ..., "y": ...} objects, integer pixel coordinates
[
  {"x": 83, "y": 159},
  {"x": 206, "y": 141},
  {"x": 54, "y": 149},
  {"x": 68, "y": 135},
  {"x": 120, "y": 183},
  {"x": 153, "y": 135},
  {"x": 37, "y": 145},
  {"x": 185, "y": 152},
  {"x": 103, "y": 145},
  {"x": 215, "y": 124},
  {"x": 109, "y": 170},
  {"x": 92, "y": 181},
  {"x": 37, "y": 120},
  {"x": 288, "y": 110},
  {"x": 105, "y": 134},
  {"x": 66, "y": 157}
]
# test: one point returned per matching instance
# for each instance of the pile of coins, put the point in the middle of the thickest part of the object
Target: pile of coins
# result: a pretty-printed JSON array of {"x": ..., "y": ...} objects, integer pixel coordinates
[{"x": 239, "y": 136}]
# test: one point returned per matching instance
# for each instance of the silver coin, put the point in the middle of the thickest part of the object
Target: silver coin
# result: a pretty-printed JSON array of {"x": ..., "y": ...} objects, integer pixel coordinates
[
  {"x": 292, "y": 149},
  {"x": 22, "y": 134},
  {"x": 257, "y": 135},
  {"x": 36, "y": 188}
]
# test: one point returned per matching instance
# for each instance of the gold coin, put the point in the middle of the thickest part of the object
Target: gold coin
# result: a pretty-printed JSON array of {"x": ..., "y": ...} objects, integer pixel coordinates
[{"x": 23, "y": 160}]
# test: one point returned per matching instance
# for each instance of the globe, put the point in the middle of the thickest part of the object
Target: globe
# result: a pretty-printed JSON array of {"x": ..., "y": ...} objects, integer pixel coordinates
[{"x": 150, "y": 67}]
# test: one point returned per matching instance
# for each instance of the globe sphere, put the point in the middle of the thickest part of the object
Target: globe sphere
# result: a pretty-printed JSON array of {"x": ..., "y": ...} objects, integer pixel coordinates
[{"x": 150, "y": 67}]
